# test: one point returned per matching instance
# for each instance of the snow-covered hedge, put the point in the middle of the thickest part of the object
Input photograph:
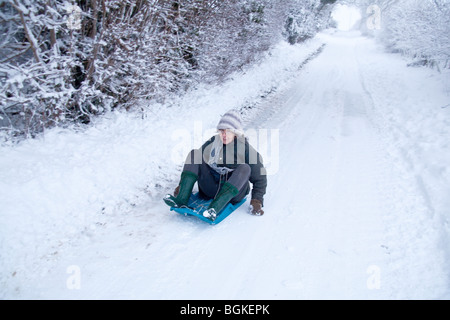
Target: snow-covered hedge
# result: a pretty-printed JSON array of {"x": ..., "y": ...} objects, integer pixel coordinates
[
  {"x": 417, "y": 28},
  {"x": 63, "y": 61}
]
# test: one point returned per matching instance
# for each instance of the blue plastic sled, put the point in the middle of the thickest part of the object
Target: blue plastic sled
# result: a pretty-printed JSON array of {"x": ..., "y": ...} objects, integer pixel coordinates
[{"x": 196, "y": 206}]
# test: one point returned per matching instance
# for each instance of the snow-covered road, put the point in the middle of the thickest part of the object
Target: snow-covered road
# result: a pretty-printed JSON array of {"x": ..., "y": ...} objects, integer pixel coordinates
[{"x": 347, "y": 217}]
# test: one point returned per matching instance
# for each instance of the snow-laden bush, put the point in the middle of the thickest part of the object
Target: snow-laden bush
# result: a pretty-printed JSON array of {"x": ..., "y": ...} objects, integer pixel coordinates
[{"x": 420, "y": 29}]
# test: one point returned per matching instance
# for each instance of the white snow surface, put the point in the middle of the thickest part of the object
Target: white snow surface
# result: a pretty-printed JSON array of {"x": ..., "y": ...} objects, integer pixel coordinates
[{"x": 357, "y": 204}]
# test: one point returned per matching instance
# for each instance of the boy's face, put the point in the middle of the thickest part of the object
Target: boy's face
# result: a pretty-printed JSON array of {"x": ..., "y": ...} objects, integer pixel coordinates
[{"x": 226, "y": 136}]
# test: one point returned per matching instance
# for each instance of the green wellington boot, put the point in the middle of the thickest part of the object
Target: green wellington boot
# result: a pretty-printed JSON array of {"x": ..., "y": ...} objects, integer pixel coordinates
[
  {"x": 187, "y": 182},
  {"x": 227, "y": 193}
]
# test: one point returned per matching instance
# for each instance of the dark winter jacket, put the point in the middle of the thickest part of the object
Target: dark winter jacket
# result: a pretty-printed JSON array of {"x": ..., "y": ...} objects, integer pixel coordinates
[{"x": 239, "y": 152}]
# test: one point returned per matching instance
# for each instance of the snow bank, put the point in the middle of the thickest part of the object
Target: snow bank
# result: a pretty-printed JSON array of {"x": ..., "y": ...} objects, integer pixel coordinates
[{"x": 64, "y": 184}]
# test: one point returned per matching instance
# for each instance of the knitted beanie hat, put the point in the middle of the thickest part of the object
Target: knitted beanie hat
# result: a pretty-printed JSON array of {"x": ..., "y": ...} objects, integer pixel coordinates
[{"x": 231, "y": 121}]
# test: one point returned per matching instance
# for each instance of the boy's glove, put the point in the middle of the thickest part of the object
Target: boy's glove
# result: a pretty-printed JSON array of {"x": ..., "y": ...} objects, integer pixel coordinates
[{"x": 256, "y": 207}]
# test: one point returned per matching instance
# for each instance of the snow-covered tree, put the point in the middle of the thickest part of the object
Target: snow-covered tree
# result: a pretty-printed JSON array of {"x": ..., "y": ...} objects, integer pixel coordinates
[{"x": 305, "y": 18}]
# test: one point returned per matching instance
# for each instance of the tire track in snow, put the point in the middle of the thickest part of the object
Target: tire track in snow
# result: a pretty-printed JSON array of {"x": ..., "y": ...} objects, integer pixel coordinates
[{"x": 417, "y": 256}]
